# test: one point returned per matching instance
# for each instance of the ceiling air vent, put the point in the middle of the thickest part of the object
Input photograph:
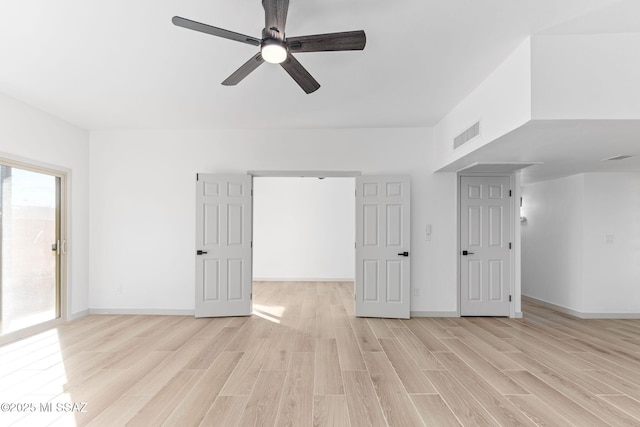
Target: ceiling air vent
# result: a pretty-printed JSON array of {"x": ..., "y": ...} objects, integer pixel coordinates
[
  {"x": 467, "y": 135},
  {"x": 616, "y": 158}
]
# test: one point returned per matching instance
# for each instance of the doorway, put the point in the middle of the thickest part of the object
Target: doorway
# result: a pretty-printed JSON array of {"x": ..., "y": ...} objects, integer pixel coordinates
[
  {"x": 224, "y": 245},
  {"x": 31, "y": 246},
  {"x": 304, "y": 229}
]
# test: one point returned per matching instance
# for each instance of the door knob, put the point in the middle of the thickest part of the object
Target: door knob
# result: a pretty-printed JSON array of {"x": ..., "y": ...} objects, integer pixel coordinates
[
  {"x": 403, "y": 254},
  {"x": 465, "y": 253},
  {"x": 201, "y": 252}
]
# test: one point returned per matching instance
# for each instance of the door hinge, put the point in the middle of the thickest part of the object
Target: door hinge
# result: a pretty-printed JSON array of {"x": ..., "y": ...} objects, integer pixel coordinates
[
  {"x": 252, "y": 243},
  {"x": 509, "y": 298},
  {"x": 197, "y": 177},
  {"x": 510, "y": 193},
  {"x": 509, "y": 245},
  {"x": 251, "y": 296}
]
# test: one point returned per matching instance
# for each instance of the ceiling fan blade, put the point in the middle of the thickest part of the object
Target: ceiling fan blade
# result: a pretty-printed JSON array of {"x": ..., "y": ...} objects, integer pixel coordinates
[
  {"x": 300, "y": 75},
  {"x": 244, "y": 70},
  {"x": 348, "y": 40},
  {"x": 208, "y": 29},
  {"x": 275, "y": 18}
]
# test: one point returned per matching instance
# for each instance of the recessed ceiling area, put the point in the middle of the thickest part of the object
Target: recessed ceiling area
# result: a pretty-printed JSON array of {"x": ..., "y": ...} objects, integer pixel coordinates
[
  {"x": 563, "y": 148},
  {"x": 123, "y": 65}
]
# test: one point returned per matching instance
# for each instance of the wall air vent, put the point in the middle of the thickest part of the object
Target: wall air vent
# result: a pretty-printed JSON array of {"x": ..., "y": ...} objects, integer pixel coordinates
[
  {"x": 616, "y": 158},
  {"x": 467, "y": 135}
]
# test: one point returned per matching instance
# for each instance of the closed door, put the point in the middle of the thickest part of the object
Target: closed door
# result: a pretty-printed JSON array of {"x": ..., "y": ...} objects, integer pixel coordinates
[
  {"x": 223, "y": 245},
  {"x": 382, "y": 246},
  {"x": 485, "y": 244}
]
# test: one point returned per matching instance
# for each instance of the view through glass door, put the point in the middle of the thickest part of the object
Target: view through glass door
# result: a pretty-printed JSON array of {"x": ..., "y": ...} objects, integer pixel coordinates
[{"x": 29, "y": 248}]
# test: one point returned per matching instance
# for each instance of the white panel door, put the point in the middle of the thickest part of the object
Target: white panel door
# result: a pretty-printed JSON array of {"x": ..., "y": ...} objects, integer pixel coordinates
[
  {"x": 485, "y": 236},
  {"x": 382, "y": 246},
  {"x": 223, "y": 245}
]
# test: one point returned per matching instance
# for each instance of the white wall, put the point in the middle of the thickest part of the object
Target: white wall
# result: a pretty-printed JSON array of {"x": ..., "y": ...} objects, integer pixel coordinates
[
  {"x": 303, "y": 228},
  {"x": 29, "y": 135},
  {"x": 612, "y": 268},
  {"x": 552, "y": 238},
  {"x": 586, "y": 76},
  {"x": 566, "y": 258},
  {"x": 501, "y": 103},
  {"x": 143, "y": 203}
]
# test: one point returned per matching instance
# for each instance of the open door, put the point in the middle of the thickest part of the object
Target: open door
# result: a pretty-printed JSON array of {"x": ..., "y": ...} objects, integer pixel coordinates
[
  {"x": 223, "y": 245},
  {"x": 382, "y": 246}
]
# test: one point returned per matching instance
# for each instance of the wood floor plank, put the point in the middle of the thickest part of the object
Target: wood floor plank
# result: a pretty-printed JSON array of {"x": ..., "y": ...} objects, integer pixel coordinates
[
  {"x": 425, "y": 336},
  {"x": 408, "y": 371},
  {"x": 120, "y": 411},
  {"x": 380, "y": 328},
  {"x": 564, "y": 383},
  {"x": 225, "y": 411},
  {"x": 503, "y": 411},
  {"x": 537, "y": 411},
  {"x": 209, "y": 349},
  {"x": 462, "y": 403},
  {"x": 195, "y": 404},
  {"x": 626, "y": 404},
  {"x": 496, "y": 377},
  {"x": 489, "y": 352},
  {"x": 364, "y": 335},
  {"x": 539, "y": 363},
  {"x": 623, "y": 385},
  {"x": 330, "y": 411},
  {"x": 164, "y": 402},
  {"x": 262, "y": 406},
  {"x": 296, "y": 403},
  {"x": 416, "y": 350},
  {"x": 328, "y": 376},
  {"x": 362, "y": 402},
  {"x": 396, "y": 405},
  {"x": 245, "y": 374},
  {"x": 349, "y": 353},
  {"x": 556, "y": 400},
  {"x": 434, "y": 411}
]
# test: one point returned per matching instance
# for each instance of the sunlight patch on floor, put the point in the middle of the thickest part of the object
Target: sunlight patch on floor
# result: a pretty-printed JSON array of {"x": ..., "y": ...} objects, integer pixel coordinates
[{"x": 272, "y": 313}]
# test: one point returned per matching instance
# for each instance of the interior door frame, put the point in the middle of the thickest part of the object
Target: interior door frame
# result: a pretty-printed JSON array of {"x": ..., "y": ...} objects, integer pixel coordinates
[
  {"x": 63, "y": 265},
  {"x": 515, "y": 310}
]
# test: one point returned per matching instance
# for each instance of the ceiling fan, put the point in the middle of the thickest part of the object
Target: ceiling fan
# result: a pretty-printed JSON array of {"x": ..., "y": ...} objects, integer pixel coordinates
[{"x": 278, "y": 49}]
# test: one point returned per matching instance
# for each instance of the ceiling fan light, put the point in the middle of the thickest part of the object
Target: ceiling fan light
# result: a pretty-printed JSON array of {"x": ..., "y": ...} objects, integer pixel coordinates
[{"x": 273, "y": 51}]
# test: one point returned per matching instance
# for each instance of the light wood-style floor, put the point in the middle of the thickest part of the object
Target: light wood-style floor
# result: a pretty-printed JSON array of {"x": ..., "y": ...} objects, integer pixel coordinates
[{"x": 304, "y": 360}]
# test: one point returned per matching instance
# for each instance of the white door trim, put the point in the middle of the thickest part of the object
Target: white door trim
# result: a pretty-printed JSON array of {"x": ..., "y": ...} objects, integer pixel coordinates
[{"x": 514, "y": 255}]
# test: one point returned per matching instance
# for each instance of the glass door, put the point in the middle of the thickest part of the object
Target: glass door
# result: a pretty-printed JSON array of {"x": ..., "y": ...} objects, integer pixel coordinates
[{"x": 29, "y": 248}]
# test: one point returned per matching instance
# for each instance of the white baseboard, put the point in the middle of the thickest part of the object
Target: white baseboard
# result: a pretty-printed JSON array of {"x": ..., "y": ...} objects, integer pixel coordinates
[
  {"x": 435, "y": 314},
  {"x": 580, "y": 314},
  {"x": 306, "y": 279},
  {"x": 78, "y": 315},
  {"x": 142, "y": 311}
]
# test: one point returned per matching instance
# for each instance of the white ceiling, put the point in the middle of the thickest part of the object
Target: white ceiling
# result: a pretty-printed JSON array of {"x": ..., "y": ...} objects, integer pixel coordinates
[{"x": 121, "y": 64}]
